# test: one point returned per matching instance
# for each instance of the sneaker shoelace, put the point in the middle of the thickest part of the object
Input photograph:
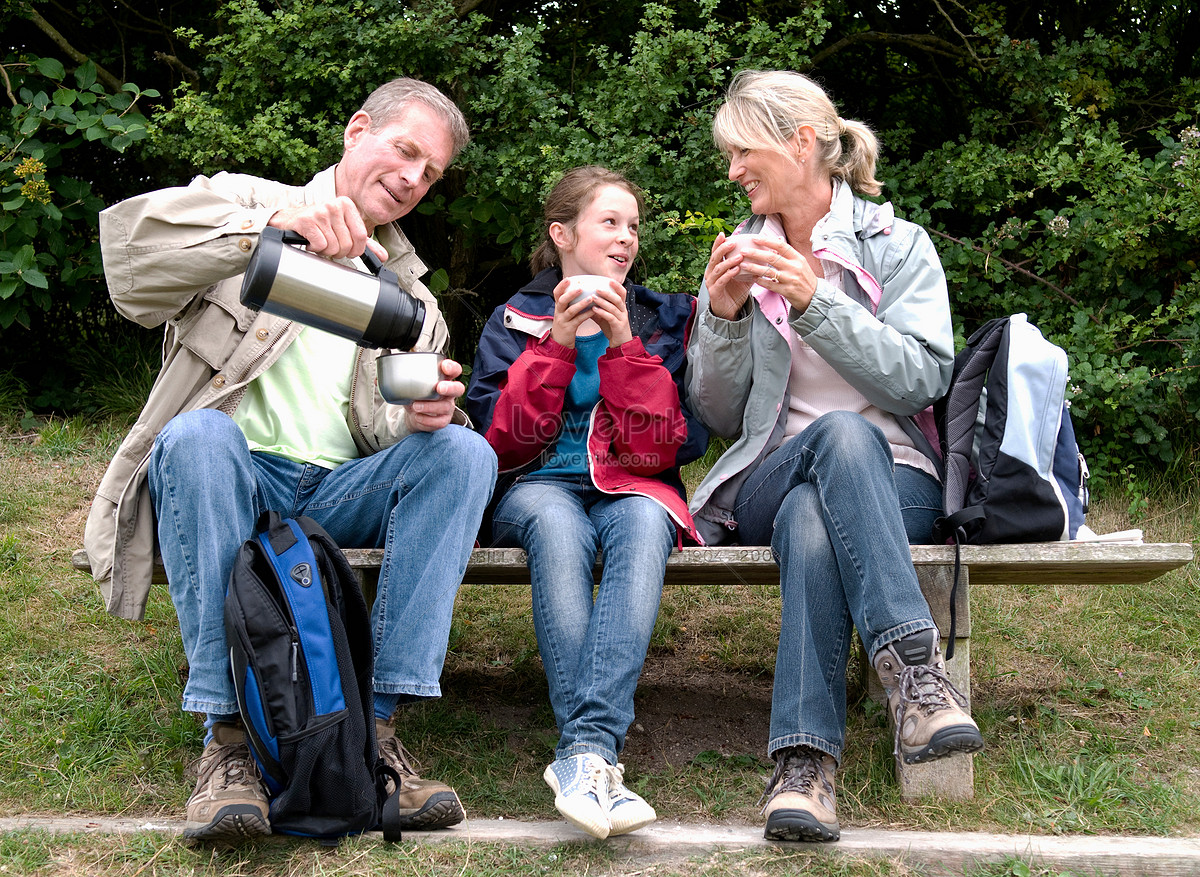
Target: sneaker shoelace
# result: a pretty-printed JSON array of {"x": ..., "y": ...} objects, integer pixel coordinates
[
  {"x": 591, "y": 775},
  {"x": 616, "y": 782},
  {"x": 928, "y": 688},
  {"x": 797, "y": 771}
]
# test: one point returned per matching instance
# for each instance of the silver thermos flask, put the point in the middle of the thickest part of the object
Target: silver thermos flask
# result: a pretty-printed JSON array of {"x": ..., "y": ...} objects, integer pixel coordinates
[{"x": 369, "y": 309}]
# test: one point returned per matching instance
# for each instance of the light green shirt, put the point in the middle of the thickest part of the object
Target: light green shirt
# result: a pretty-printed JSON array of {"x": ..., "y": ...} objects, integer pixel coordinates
[{"x": 299, "y": 412}]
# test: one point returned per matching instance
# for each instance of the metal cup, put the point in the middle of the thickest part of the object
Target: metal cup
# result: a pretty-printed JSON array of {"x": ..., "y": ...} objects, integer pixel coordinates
[{"x": 408, "y": 377}]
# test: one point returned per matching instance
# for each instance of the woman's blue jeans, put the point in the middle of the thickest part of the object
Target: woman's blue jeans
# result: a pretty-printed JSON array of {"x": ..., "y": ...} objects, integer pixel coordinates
[
  {"x": 839, "y": 517},
  {"x": 421, "y": 500},
  {"x": 592, "y": 649}
]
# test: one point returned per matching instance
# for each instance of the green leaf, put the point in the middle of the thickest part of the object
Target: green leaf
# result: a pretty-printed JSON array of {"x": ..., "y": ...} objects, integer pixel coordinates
[
  {"x": 439, "y": 281},
  {"x": 51, "y": 68},
  {"x": 85, "y": 76},
  {"x": 34, "y": 277}
]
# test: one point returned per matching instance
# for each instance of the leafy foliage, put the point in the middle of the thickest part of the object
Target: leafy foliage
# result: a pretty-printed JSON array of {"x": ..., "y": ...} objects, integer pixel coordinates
[
  {"x": 1052, "y": 152},
  {"x": 47, "y": 229},
  {"x": 1059, "y": 206}
]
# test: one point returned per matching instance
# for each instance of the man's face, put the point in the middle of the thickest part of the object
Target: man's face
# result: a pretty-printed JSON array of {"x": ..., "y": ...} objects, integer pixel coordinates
[{"x": 388, "y": 171}]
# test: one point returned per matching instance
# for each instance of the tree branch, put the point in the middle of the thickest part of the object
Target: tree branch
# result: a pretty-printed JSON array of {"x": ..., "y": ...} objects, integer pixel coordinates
[
  {"x": 74, "y": 54},
  {"x": 1013, "y": 266},
  {"x": 954, "y": 27},
  {"x": 184, "y": 70},
  {"x": 925, "y": 42},
  {"x": 463, "y": 8},
  {"x": 8, "y": 86}
]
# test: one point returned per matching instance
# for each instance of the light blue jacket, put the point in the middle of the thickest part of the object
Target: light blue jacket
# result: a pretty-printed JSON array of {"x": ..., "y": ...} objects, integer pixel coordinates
[{"x": 900, "y": 357}]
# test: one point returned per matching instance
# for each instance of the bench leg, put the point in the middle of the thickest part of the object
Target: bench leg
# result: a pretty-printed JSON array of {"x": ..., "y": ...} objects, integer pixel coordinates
[{"x": 951, "y": 778}]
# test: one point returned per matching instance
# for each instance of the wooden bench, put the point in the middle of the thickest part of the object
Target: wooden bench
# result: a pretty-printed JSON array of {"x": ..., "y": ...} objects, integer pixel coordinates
[{"x": 1056, "y": 563}]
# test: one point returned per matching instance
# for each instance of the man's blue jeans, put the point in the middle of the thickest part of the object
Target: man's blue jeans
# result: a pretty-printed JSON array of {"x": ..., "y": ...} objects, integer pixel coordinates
[
  {"x": 839, "y": 517},
  {"x": 592, "y": 650},
  {"x": 421, "y": 500}
]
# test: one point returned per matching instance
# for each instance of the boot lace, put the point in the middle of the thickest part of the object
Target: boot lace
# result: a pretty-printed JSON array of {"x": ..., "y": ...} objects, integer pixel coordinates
[
  {"x": 928, "y": 688},
  {"x": 797, "y": 770},
  {"x": 229, "y": 767},
  {"x": 393, "y": 752}
]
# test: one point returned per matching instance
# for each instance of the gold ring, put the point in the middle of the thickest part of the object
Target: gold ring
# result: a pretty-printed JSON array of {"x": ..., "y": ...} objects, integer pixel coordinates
[{"x": 774, "y": 276}]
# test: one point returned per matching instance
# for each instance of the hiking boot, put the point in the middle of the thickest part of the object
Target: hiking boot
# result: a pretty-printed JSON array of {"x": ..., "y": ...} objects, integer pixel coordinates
[
  {"x": 930, "y": 715},
  {"x": 229, "y": 802},
  {"x": 581, "y": 795},
  {"x": 627, "y": 811},
  {"x": 424, "y": 804},
  {"x": 801, "y": 802}
]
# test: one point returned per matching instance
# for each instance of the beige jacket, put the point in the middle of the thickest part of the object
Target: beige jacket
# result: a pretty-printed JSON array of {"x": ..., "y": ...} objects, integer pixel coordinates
[{"x": 175, "y": 258}]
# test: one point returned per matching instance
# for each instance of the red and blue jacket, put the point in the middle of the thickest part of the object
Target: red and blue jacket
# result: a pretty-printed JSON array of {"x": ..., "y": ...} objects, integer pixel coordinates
[{"x": 639, "y": 433}]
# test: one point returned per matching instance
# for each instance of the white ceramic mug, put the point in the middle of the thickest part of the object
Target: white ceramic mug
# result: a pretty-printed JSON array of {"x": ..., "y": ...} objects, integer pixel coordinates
[{"x": 583, "y": 286}]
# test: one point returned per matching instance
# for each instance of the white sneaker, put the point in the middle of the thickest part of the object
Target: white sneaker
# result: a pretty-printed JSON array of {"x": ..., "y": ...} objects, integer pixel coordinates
[
  {"x": 580, "y": 784},
  {"x": 627, "y": 811}
]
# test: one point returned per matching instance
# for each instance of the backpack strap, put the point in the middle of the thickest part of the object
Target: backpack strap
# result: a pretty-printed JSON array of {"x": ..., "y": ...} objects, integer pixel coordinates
[
  {"x": 297, "y": 573},
  {"x": 957, "y": 414}
]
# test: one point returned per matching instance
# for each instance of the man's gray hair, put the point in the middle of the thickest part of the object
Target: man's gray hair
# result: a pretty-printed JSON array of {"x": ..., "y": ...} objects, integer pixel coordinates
[{"x": 386, "y": 102}]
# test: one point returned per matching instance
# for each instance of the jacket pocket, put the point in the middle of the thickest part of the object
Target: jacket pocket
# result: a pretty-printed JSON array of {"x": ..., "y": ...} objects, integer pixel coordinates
[{"x": 214, "y": 326}]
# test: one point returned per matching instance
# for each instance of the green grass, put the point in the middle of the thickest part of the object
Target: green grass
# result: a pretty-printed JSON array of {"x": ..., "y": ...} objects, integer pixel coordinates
[{"x": 1088, "y": 697}]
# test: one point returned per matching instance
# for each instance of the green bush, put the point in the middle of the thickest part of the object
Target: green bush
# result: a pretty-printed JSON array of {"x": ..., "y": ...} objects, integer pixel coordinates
[
  {"x": 1055, "y": 158},
  {"x": 48, "y": 246}
]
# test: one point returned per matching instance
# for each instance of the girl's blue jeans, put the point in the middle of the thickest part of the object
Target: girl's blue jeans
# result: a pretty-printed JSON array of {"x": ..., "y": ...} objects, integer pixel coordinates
[{"x": 592, "y": 648}]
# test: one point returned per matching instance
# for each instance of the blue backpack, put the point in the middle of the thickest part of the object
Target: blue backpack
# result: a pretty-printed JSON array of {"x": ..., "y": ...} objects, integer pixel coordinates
[
  {"x": 1013, "y": 471},
  {"x": 301, "y": 650}
]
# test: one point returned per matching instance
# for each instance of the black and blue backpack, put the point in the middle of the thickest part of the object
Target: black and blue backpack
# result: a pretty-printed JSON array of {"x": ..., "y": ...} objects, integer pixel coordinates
[
  {"x": 300, "y": 646},
  {"x": 1013, "y": 470}
]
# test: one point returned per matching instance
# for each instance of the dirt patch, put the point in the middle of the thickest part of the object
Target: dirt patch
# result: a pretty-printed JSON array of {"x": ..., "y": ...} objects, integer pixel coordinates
[{"x": 681, "y": 711}]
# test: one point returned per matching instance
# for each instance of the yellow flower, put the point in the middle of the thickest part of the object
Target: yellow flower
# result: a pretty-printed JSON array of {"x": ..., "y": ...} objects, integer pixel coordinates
[
  {"x": 30, "y": 167},
  {"x": 36, "y": 190}
]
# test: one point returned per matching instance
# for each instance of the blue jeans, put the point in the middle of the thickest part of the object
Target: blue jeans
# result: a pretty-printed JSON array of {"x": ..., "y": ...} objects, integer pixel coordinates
[
  {"x": 592, "y": 649},
  {"x": 839, "y": 517},
  {"x": 421, "y": 500}
]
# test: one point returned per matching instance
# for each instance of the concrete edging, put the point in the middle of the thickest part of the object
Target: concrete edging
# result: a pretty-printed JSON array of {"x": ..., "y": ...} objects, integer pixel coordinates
[{"x": 951, "y": 853}]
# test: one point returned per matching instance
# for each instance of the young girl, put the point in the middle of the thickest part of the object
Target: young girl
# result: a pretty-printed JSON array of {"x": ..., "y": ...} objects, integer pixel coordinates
[{"x": 583, "y": 403}]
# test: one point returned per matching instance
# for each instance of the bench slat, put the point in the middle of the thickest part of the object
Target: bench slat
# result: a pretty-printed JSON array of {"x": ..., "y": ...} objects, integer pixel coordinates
[{"x": 1050, "y": 563}]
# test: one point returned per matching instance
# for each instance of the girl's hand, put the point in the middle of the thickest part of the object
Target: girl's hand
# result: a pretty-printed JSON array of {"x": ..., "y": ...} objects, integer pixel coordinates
[
  {"x": 568, "y": 315},
  {"x": 611, "y": 315},
  {"x": 727, "y": 292}
]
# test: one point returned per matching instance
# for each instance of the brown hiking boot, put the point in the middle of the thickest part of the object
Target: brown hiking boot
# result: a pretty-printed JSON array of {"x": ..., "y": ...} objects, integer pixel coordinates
[
  {"x": 230, "y": 802},
  {"x": 801, "y": 803},
  {"x": 930, "y": 715},
  {"x": 423, "y": 803}
]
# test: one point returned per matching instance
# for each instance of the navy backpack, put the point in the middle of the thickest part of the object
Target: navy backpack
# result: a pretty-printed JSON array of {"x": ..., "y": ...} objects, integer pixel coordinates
[{"x": 301, "y": 650}]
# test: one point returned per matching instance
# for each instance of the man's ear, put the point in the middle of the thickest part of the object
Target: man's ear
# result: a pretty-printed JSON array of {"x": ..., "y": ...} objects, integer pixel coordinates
[
  {"x": 561, "y": 237},
  {"x": 359, "y": 124}
]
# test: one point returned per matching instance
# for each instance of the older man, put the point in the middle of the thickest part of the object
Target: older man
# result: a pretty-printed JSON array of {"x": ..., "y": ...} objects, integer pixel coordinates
[{"x": 254, "y": 412}]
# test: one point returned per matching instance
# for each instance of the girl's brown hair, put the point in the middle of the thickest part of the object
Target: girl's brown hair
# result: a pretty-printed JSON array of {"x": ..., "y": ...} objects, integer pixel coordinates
[{"x": 570, "y": 197}]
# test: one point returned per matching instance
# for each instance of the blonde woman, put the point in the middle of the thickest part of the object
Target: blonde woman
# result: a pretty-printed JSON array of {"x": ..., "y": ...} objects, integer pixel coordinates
[{"x": 823, "y": 335}]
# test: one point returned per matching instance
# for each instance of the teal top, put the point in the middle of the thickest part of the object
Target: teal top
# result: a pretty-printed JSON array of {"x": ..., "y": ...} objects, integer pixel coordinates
[{"x": 583, "y": 393}]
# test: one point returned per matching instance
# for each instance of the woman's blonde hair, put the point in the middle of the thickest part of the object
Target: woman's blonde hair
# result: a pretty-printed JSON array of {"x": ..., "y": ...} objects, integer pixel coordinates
[
  {"x": 568, "y": 199},
  {"x": 763, "y": 109}
]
